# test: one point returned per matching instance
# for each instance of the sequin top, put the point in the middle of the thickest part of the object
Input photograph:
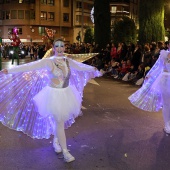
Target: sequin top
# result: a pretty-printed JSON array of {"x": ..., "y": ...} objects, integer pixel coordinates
[{"x": 61, "y": 72}]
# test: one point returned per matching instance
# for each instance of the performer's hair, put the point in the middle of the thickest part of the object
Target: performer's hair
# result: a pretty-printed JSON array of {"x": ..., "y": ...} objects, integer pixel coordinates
[{"x": 59, "y": 39}]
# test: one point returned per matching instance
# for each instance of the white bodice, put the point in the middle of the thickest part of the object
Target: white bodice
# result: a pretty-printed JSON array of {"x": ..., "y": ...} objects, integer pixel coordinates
[{"x": 60, "y": 72}]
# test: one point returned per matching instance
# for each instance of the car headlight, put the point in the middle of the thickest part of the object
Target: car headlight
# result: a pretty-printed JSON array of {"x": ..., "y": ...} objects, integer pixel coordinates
[
  {"x": 11, "y": 52},
  {"x": 22, "y": 52}
]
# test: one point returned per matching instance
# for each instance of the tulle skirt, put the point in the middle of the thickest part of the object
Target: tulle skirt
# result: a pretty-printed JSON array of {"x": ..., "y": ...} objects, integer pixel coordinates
[{"x": 61, "y": 103}]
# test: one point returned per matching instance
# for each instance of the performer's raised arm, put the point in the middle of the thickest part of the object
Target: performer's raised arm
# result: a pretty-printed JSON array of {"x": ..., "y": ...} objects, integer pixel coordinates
[{"x": 40, "y": 64}]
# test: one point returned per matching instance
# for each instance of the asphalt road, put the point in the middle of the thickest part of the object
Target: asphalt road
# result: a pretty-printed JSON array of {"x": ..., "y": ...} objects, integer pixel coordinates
[{"x": 111, "y": 135}]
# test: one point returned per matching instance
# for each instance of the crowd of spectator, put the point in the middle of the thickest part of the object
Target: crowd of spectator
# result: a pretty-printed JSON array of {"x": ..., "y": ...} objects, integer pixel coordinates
[
  {"x": 124, "y": 62},
  {"x": 128, "y": 62},
  {"x": 37, "y": 51}
]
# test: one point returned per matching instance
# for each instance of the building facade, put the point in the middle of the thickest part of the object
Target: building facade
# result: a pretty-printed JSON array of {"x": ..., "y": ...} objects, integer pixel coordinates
[
  {"x": 82, "y": 17},
  {"x": 31, "y": 17},
  {"x": 69, "y": 18},
  {"x": 120, "y": 8}
]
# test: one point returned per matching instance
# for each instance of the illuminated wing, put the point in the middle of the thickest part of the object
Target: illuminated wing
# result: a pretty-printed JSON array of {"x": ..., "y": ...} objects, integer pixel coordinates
[
  {"x": 81, "y": 74},
  {"x": 17, "y": 110},
  {"x": 77, "y": 57},
  {"x": 81, "y": 57},
  {"x": 148, "y": 97}
]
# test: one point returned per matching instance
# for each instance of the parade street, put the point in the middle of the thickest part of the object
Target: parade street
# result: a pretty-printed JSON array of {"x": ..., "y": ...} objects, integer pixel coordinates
[{"x": 110, "y": 135}]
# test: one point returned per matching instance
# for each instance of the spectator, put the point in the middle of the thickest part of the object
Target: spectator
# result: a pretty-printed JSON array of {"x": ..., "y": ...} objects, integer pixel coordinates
[
  {"x": 113, "y": 52},
  {"x": 136, "y": 57}
]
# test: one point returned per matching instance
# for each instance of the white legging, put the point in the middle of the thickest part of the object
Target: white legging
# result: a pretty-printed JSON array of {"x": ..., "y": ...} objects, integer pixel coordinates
[
  {"x": 165, "y": 91},
  {"x": 166, "y": 106},
  {"x": 59, "y": 132}
]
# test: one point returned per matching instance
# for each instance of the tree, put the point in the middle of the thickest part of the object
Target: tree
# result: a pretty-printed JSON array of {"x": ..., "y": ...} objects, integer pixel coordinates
[
  {"x": 102, "y": 22},
  {"x": 151, "y": 21},
  {"x": 124, "y": 30},
  {"x": 89, "y": 35},
  {"x": 167, "y": 34}
]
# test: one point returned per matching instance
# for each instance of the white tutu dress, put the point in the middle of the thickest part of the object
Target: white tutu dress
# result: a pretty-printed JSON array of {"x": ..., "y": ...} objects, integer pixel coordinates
[
  {"x": 61, "y": 100},
  {"x": 154, "y": 93},
  {"x": 63, "y": 103},
  {"x": 33, "y": 94}
]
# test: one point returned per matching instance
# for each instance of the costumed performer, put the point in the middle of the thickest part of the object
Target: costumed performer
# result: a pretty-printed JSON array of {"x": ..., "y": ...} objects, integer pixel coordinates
[
  {"x": 50, "y": 98},
  {"x": 154, "y": 93},
  {"x": 15, "y": 44}
]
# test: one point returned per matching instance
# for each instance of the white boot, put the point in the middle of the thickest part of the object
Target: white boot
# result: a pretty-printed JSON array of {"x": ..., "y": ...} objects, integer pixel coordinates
[
  {"x": 67, "y": 156},
  {"x": 56, "y": 145},
  {"x": 167, "y": 128}
]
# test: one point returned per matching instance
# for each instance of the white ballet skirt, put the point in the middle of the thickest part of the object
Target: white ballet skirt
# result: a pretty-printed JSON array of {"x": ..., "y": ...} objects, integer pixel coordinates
[{"x": 62, "y": 103}]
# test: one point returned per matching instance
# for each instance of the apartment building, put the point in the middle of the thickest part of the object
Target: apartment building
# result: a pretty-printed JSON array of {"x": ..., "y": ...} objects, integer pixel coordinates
[
  {"x": 82, "y": 10},
  {"x": 31, "y": 17},
  {"x": 120, "y": 8},
  {"x": 67, "y": 17}
]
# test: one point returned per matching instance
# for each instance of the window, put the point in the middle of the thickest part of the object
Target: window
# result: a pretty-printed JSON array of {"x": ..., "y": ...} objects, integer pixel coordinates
[
  {"x": 7, "y": 1},
  {"x": 113, "y": 9},
  {"x": 20, "y": 14},
  {"x": 15, "y": 1},
  {"x": 66, "y": 17},
  {"x": 27, "y": 14},
  {"x": 27, "y": 1},
  {"x": 79, "y": 5},
  {"x": 32, "y": 14},
  {"x": 41, "y": 30},
  {"x": 8, "y": 15},
  {"x": 50, "y": 2},
  {"x": 78, "y": 18},
  {"x": 13, "y": 14},
  {"x": 43, "y": 15},
  {"x": 66, "y": 3},
  {"x": 51, "y": 16},
  {"x": 19, "y": 30},
  {"x": 112, "y": 22},
  {"x": 43, "y": 1},
  {"x": 32, "y": 1}
]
